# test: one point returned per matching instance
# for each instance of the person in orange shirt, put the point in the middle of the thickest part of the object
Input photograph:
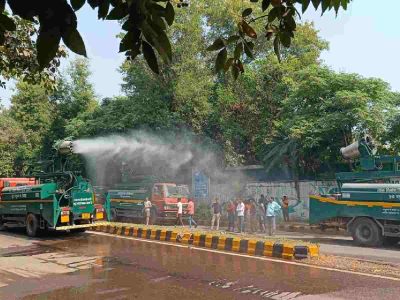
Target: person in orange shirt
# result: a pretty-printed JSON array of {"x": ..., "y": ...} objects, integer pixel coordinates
[
  {"x": 231, "y": 208},
  {"x": 248, "y": 216},
  {"x": 190, "y": 210},
  {"x": 285, "y": 208}
]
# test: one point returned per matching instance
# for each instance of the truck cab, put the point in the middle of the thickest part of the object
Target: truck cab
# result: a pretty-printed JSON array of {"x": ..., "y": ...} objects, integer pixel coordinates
[
  {"x": 125, "y": 201},
  {"x": 165, "y": 198}
]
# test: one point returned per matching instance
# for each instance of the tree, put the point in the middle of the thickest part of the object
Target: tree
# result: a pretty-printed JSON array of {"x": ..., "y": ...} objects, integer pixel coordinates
[
  {"x": 31, "y": 109},
  {"x": 18, "y": 56},
  {"x": 73, "y": 100},
  {"x": 14, "y": 146},
  {"x": 318, "y": 119},
  {"x": 146, "y": 23}
]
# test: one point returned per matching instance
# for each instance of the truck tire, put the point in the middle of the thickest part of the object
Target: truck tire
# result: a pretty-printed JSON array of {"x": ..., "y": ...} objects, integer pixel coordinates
[
  {"x": 366, "y": 232},
  {"x": 153, "y": 217},
  {"x": 2, "y": 227},
  {"x": 391, "y": 240},
  {"x": 78, "y": 230},
  {"x": 114, "y": 216},
  {"x": 32, "y": 225}
]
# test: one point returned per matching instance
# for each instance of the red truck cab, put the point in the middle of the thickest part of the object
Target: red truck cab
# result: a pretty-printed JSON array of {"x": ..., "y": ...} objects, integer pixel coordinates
[{"x": 165, "y": 198}]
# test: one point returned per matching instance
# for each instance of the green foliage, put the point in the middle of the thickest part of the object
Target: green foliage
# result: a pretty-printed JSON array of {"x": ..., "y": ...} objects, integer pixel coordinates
[
  {"x": 291, "y": 114},
  {"x": 14, "y": 146},
  {"x": 146, "y": 25},
  {"x": 18, "y": 56}
]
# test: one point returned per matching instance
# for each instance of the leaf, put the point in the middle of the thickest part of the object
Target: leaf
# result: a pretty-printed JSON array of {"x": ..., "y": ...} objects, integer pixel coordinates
[
  {"x": 248, "y": 30},
  {"x": 228, "y": 64},
  {"x": 305, "y": 5},
  {"x": 6, "y": 23},
  {"x": 73, "y": 40},
  {"x": 77, "y": 4},
  {"x": 159, "y": 22},
  {"x": 126, "y": 42},
  {"x": 221, "y": 60},
  {"x": 164, "y": 46},
  {"x": 316, "y": 3},
  {"x": 233, "y": 39},
  {"x": 47, "y": 45},
  {"x": 169, "y": 13},
  {"x": 235, "y": 72},
  {"x": 276, "y": 3},
  {"x": 344, "y": 4},
  {"x": 240, "y": 66},
  {"x": 93, "y": 3},
  {"x": 336, "y": 5},
  {"x": 150, "y": 57},
  {"x": 273, "y": 14},
  {"x": 277, "y": 48},
  {"x": 285, "y": 39},
  {"x": 118, "y": 12},
  {"x": 103, "y": 9},
  {"x": 218, "y": 44},
  {"x": 247, "y": 12},
  {"x": 248, "y": 50},
  {"x": 265, "y": 4},
  {"x": 290, "y": 24},
  {"x": 238, "y": 51},
  {"x": 325, "y": 5}
]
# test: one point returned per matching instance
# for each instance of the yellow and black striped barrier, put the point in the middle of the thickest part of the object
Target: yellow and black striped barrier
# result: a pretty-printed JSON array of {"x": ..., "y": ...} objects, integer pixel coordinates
[{"x": 218, "y": 242}]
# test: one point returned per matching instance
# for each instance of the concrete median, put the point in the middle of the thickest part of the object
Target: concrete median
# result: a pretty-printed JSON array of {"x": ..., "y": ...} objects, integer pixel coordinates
[{"x": 279, "y": 249}]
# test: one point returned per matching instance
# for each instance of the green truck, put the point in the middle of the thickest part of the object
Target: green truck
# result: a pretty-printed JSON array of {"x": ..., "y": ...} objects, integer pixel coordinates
[
  {"x": 125, "y": 201},
  {"x": 59, "y": 201},
  {"x": 367, "y": 201}
]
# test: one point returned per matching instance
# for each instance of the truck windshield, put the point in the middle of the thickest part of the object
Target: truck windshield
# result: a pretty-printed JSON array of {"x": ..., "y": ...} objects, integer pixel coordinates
[
  {"x": 172, "y": 191},
  {"x": 183, "y": 190}
]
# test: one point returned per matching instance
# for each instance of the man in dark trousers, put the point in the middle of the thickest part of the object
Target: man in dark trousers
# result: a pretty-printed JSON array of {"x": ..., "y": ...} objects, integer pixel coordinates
[
  {"x": 179, "y": 213},
  {"x": 216, "y": 209}
]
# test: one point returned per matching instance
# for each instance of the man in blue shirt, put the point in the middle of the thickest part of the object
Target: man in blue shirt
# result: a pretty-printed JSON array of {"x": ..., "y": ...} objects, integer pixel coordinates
[{"x": 272, "y": 208}]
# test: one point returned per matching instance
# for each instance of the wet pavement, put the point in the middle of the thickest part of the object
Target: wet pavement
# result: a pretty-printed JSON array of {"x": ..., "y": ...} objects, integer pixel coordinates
[{"x": 95, "y": 266}]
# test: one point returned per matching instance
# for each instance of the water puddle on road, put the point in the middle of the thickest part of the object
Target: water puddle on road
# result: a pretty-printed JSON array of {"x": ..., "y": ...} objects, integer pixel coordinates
[{"x": 255, "y": 291}]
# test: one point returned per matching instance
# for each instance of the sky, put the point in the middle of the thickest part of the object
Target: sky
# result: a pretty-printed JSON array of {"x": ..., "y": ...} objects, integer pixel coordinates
[{"x": 364, "y": 39}]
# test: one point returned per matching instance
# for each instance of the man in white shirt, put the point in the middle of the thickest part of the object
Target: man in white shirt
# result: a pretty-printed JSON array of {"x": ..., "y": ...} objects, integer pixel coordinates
[
  {"x": 147, "y": 210},
  {"x": 179, "y": 213},
  {"x": 240, "y": 214}
]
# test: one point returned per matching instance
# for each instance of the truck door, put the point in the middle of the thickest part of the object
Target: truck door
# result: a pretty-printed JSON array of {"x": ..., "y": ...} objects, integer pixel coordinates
[{"x": 158, "y": 192}]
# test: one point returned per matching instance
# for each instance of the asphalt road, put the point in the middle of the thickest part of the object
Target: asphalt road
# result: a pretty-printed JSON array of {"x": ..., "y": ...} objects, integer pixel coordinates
[
  {"x": 98, "y": 266},
  {"x": 344, "y": 246}
]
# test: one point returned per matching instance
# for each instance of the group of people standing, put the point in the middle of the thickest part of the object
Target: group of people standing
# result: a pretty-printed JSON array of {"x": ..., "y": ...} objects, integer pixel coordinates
[{"x": 244, "y": 215}]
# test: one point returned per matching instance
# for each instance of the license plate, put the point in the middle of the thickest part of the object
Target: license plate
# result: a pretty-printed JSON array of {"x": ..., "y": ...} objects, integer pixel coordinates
[
  {"x": 99, "y": 216},
  {"x": 85, "y": 216},
  {"x": 64, "y": 219}
]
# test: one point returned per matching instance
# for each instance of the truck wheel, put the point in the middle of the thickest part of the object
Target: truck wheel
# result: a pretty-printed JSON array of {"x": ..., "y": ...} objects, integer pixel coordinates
[
  {"x": 390, "y": 240},
  {"x": 78, "y": 230},
  {"x": 114, "y": 216},
  {"x": 32, "y": 225},
  {"x": 153, "y": 217},
  {"x": 366, "y": 232},
  {"x": 2, "y": 227}
]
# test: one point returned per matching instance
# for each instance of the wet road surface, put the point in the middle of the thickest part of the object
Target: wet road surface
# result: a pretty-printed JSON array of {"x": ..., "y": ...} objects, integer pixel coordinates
[
  {"x": 344, "y": 246},
  {"x": 96, "y": 266}
]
